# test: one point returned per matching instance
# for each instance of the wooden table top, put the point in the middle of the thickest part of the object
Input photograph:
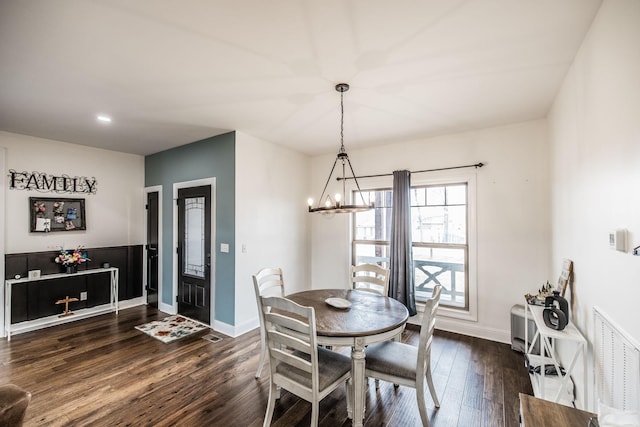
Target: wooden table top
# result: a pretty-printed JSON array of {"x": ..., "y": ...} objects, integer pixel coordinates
[
  {"x": 369, "y": 313},
  {"x": 537, "y": 412}
]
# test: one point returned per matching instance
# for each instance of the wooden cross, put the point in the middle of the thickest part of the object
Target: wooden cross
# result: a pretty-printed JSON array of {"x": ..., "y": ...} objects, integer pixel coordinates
[{"x": 66, "y": 302}]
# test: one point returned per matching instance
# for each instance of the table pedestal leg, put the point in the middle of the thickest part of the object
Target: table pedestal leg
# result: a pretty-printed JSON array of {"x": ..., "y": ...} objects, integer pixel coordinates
[{"x": 357, "y": 373}]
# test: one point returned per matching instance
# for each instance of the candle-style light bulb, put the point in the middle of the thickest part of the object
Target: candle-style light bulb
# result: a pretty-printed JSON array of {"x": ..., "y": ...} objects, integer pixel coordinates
[
  {"x": 327, "y": 203},
  {"x": 338, "y": 197},
  {"x": 310, "y": 201}
]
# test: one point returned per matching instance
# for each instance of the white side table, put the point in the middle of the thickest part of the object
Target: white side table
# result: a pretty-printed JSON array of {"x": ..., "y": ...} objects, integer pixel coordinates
[
  {"x": 553, "y": 387},
  {"x": 51, "y": 320}
]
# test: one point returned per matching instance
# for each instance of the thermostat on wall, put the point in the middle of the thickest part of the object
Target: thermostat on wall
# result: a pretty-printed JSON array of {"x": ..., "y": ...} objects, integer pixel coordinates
[{"x": 618, "y": 240}]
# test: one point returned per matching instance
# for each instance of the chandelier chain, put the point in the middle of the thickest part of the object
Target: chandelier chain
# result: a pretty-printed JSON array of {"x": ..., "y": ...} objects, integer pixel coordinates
[{"x": 342, "y": 150}]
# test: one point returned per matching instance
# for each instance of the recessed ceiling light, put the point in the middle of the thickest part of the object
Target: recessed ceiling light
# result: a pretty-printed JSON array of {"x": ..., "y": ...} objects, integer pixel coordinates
[{"x": 104, "y": 119}]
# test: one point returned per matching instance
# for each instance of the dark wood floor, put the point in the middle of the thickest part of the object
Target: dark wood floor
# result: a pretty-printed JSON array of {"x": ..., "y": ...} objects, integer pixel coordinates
[{"x": 103, "y": 372}]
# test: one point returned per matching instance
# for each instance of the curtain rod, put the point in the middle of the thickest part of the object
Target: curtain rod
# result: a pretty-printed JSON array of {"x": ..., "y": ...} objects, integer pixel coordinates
[{"x": 477, "y": 165}]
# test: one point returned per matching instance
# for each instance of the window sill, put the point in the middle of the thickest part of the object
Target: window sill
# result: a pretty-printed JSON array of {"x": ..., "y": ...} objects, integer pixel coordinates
[{"x": 444, "y": 312}]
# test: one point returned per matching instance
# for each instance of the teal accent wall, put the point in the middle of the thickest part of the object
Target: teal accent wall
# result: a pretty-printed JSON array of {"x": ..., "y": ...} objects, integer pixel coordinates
[{"x": 211, "y": 157}]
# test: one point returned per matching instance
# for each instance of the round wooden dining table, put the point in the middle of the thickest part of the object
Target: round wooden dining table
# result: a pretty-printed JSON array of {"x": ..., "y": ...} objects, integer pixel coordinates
[{"x": 369, "y": 319}]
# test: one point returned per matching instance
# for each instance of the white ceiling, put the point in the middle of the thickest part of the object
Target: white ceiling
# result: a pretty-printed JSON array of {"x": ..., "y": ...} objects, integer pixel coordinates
[{"x": 172, "y": 72}]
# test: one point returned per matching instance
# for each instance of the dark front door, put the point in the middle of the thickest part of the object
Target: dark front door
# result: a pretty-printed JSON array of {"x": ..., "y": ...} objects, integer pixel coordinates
[
  {"x": 152, "y": 249},
  {"x": 194, "y": 253}
]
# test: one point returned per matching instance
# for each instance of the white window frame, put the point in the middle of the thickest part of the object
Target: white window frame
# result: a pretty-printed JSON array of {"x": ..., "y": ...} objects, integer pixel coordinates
[{"x": 445, "y": 178}]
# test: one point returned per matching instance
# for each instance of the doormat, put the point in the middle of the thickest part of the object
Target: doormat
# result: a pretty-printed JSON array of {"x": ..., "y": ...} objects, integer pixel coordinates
[{"x": 171, "y": 328}]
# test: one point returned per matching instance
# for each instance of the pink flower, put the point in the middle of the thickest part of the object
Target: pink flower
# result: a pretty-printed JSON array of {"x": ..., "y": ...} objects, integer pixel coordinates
[{"x": 76, "y": 257}]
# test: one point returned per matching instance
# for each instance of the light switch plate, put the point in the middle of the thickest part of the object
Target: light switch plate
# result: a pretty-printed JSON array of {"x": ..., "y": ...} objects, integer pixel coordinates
[{"x": 224, "y": 247}]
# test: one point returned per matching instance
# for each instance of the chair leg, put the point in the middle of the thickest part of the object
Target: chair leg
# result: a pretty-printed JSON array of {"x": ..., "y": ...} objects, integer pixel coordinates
[
  {"x": 397, "y": 338},
  {"x": 263, "y": 353},
  {"x": 271, "y": 405},
  {"x": 432, "y": 389},
  {"x": 315, "y": 407},
  {"x": 349, "y": 395},
  {"x": 421, "y": 405}
]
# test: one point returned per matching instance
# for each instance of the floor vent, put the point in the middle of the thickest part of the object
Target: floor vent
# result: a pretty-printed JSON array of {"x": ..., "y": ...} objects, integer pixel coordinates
[{"x": 212, "y": 338}]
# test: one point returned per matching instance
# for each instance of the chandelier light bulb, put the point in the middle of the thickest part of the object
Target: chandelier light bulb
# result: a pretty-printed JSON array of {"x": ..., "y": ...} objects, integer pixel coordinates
[{"x": 310, "y": 201}]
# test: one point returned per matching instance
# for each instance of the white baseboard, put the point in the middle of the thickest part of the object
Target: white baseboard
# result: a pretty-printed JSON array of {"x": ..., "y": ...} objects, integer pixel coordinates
[
  {"x": 247, "y": 326},
  {"x": 473, "y": 330},
  {"x": 166, "y": 308},
  {"x": 237, "y": 330},
  {"x": 45, "y": 322},
  {"x": 462, "y": 326},
  {"x": 134, "y": 302},
  {"x": 224, "y": 328}
]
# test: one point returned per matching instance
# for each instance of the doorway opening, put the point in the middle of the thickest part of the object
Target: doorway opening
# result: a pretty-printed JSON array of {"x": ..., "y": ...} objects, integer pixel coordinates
[{"x": 153, "y": 248}]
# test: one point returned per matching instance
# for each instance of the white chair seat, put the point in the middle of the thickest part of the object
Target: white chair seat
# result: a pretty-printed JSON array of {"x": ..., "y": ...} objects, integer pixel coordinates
[
  {"x": 331, "y": 367},
  {"x": 404, "y": 364},
  {"x": 394, "y": 358}
]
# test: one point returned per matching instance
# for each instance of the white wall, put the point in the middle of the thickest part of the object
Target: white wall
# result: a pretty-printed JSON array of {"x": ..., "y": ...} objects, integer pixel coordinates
[
  {"x": 271, "y": 220},
  {"x": 114, "y": 214},
  {"x": 513, "y": 223},
  {"x": 594, "y": 130},
  {"x": 3, "y": 173}
]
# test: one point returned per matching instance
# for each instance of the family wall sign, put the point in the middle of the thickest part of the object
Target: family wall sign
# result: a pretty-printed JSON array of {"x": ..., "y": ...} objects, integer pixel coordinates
[{"x": 47, "y": 183}]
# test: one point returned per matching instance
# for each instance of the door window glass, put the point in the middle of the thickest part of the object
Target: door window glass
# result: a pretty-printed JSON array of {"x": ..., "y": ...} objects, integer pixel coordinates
[{"x": 194, "y": 239}]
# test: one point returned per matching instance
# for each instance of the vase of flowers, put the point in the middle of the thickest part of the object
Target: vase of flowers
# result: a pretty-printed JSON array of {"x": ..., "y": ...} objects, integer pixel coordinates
[{"x": 70, "y": 260}]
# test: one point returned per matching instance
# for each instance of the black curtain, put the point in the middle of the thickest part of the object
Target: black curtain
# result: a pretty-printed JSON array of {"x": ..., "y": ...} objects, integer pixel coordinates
[{"x": 401, "y": 281}]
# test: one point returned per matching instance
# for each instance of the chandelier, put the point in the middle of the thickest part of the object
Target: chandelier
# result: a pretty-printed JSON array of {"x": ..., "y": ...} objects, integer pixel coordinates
[{"x": 335, "y": 205}]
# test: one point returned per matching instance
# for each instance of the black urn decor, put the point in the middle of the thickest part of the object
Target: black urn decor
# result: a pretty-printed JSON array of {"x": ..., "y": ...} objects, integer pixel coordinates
[{"x": 556, "y": 311}]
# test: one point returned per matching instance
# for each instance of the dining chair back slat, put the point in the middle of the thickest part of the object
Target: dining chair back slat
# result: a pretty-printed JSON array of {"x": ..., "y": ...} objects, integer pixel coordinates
[
  {"x": 266, "y": 282},
  {"x": 296, "y": 363},
  {"x": 371, "y": 278},
  {"x": 426, "y": 336}
]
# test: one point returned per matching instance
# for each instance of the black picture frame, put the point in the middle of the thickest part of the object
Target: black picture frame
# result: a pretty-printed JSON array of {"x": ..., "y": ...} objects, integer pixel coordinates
[{"x": 49, "y": 214}]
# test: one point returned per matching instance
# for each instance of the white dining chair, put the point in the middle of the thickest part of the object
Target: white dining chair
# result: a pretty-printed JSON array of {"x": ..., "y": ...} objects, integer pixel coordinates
[
  {"x": 370, "y": 277},
  {"x": 407, "y": 365},
  {"x": 266, "y": 282},
  {"x": 296, "y": 362}
]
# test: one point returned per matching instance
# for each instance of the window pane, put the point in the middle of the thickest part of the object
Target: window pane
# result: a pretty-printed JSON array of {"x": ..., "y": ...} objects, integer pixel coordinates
[
  {"x": 380, "y": 198},
  {"x": 367, "y": 196},
  {"x": 194, "y": 259},
  {"x": 457, "y": 195},
  {"x": 418, "y": 196},
  {"x": 435, "y": 196},
  {"x": 374, "y": 224},
  {"x": 441, "y": 266},
  {"x": 441, "y": 224},
  {"x": 366, "y": 253}
]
